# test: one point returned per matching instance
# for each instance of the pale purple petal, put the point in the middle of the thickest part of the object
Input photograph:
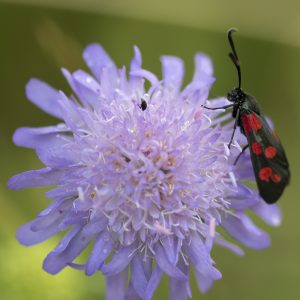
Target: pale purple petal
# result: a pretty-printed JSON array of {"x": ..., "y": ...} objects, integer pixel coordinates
[
  {"x": 243, "y": 229},
  {"x": 204, "y": 283},
  {"x": 95, "y": 225},
  {"x": 138, "y": 278},
  {"x": 27, "y": 237},
  {"x": 136, "y": 62},
  {"x": 41, "y": 177},
  {"x": 131, "y": 294},
  {"x": 58, "y": 157},
  {"x": 164, "y": 264},
  {"x": 145, "y": 74},
  {"x": 171, "y": 247},
  {"x": 102, "y": 248},
  {"x": 70, "y": 113},
  {"x": 58, "y": 259},
  {"x": 40, "y": 137},
  {"x": 64, "y": 243},
  {"x": 96, "y": 59},
  {"x": 180, "y": 290},
  {"x": 203, "y": 67},
  {"x": 218, "y": 102},
  {"x": 153, "y": 282},
  {"x": 200, "y": 258},
  {"x": 230, "y": 246},
  {"x": 44, "y": 96},
  {"x": 87, "y": 87},
  {"x": 271, "y": 214},
  {"x": 136, "y": 82},
  {"x": 119, "y": 261},
  {"x": 56, "y": 216},
  {"x": 116, "y": 285},
  {"x": 173, "y": 71},
  {"x": 203, "y": 74},
  {"x": 244, "y": 198}
]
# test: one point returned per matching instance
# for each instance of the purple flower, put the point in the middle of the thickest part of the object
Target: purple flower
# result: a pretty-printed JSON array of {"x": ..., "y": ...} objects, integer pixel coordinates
[{"x": 144, "y": 175}]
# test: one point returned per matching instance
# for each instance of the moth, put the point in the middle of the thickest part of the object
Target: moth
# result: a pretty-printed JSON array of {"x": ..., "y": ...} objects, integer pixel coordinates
[{"x": 269, "y": 161}]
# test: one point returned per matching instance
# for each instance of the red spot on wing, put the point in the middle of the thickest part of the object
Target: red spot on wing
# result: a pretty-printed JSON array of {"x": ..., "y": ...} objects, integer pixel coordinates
[
  {"x": 276, "y": 178},
  {"x": 246, "y": 123},
  {"x": 265, "y": 174},
  {"x": 254, "y": 122},
  {"x": 270, "y": 152},
  {"x": 256, "y": 148}
]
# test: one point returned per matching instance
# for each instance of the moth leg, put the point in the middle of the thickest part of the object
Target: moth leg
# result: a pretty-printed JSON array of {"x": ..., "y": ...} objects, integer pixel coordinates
[
  {"x": 234, "y": 127},
  {"x": 243, "y": 150},
  {"x": 222, "y": 107}
]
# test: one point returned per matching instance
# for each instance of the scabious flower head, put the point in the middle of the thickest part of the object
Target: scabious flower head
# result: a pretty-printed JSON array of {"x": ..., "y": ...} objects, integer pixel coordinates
[{"x": 144, "y": 175}]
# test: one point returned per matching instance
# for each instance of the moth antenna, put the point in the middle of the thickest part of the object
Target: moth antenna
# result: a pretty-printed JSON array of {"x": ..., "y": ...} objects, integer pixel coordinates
[{"x": 233, "y": 55}]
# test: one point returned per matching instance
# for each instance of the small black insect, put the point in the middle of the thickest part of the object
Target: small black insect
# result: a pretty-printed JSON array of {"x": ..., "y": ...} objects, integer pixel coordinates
[
  {"x": 271, "y": 167},
  {"x": 143, "y": 105}
]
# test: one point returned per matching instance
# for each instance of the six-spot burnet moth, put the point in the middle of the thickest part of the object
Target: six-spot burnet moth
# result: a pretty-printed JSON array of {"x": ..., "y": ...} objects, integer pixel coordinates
[{"x": 270, "y": 165}]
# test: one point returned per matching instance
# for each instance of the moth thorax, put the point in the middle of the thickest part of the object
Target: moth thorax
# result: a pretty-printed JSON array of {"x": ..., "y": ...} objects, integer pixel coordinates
[{"x": 236, "y": 95}]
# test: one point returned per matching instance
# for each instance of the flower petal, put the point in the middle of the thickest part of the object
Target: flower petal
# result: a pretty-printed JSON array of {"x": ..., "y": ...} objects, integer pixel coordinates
[
  {"x": 136, "y": 62},
  {"x": 180, "y": 290},
  {"x": 204, "y": 283},
  {"x": 100, "y": 252},
  {"x": 119, "y": 261},
  {"x": 232, "y": 247},
  {"x": 73, "y": 245},
  {"x": 217, "y": 102},
  {"x": 131, "y": 294},
  {"x": 146, "y": 74},
  {"x": 42, "y": 177},
  {"x": 136, "y": 82},
  {"x": 243, "y": 229},
  {"x": 138, "y": 278},
  {"x": 271, "y": 214},
  {"x": 171, "y": 247},
  {"x": 58, "y": 157},
  {"x": 200, "y": 258},
  {"x": 27, "y": 237},
  {"x": 153, "y": 282},
  {"x": 244, "y": 198},
  {"x": 56, "y": 216},
  {"x": 44, "y": 96},
  {"x": 173, "y": 71},
  {"x": 39, "y": 137},
  {"x": 96, "y": 59},
  {"x": 88, "y": 87},
  {"x": 63, "y": 244},
  {"x": 164, "y": 263},
  {"x": 116, "y": 285},
  {"x": 70, "y": 113},
  {"x": 203, "y": 69},
  {"x": 85, "y": 86}
]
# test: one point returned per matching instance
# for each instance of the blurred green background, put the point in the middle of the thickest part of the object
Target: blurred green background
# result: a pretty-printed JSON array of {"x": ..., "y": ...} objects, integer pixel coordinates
[{"x": 35, "y": 41}]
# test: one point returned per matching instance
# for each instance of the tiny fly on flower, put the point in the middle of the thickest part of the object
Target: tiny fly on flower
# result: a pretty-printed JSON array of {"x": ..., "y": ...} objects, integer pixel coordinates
[
  {"x": 143, "y": 105},
  {"x": 270, "y": 164}
]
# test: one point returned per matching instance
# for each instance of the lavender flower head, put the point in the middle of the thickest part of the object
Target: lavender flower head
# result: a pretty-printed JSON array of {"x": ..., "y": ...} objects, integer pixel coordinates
[{"x": 144, "y": 175}]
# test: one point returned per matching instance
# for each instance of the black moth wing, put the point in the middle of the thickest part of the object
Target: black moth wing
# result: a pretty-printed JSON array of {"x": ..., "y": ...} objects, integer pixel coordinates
[{"x": 268, "y": 158}]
